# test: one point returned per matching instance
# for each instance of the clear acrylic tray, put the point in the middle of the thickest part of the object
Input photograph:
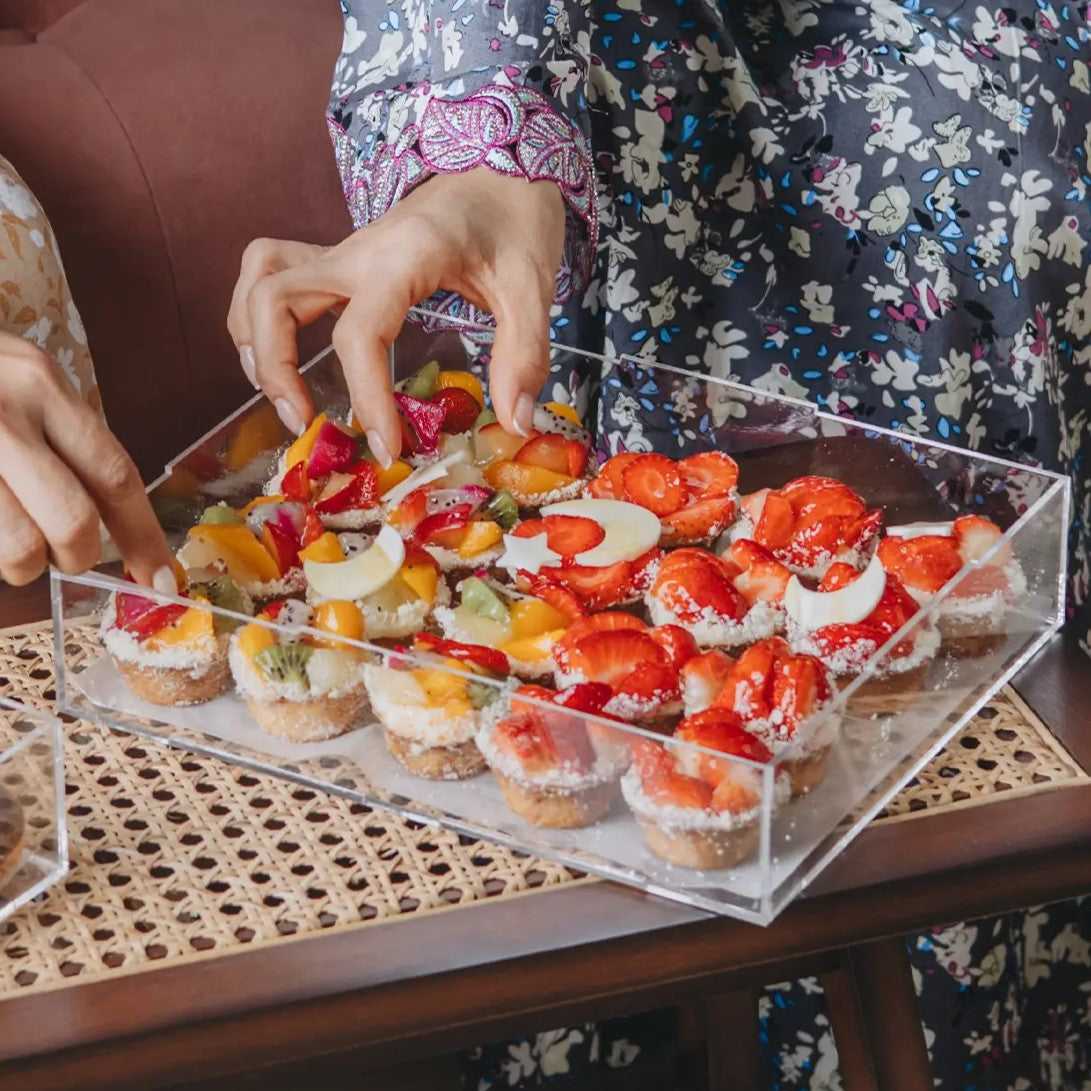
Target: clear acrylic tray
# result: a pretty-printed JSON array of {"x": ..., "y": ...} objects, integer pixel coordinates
[
  {"x": 33, "y": 834},
  {"x": 879, "y": 744}
]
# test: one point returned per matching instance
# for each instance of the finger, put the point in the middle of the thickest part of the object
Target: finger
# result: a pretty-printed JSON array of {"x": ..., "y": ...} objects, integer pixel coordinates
[
  {"x": 112, "y": 481},
  {"x": 23, "y": 552},
  {"x": 261, "y": 258},
  {"x": 362, "y": 339},
  {"x": 53, "y": 498},
  {"x": 520, "y": 352},
  {"x": 278, "y": 305}
]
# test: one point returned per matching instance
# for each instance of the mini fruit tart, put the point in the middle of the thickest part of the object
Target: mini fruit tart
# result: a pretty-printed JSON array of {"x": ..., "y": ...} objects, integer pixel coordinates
[
  {"x": 301, "y": 687},
  {"x": 168, "y": 653},
  {"x": 722, "y": 603},
  {"x": 258, "y": 547},
  {"x": 434, "y": 404},
  {"x": 461, "y": 526},
  {"x": 330, "y": 468},
  {"x": 641, "y": 665},
  {"x": 773, "y": 692},
  {"x": 694, "y": 498},
  {"x": 971, "y": 619},
  {"x": 395, "y": 586},
  {"x": 696, "y": 809},
  {"x": 431, "y": 716},
  {"x": 524, "y": 627},
  {"x": 545, "y": 467},
  {"x": 556, "y": 769},
  {"x": 848, "y": 619},
  {"x": 604, "y": 552},
  {"x": 809, "y": 524}
]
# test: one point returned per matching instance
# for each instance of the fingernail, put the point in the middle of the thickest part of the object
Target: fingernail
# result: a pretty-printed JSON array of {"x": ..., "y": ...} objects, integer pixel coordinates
[
  {"x": 523, "y": 417},
  {"x": 379, "y": 449},
  {"x": 249, "y": 364},
  {"x": 164, "y": 582},
  {"x": 289, "y": 415}
]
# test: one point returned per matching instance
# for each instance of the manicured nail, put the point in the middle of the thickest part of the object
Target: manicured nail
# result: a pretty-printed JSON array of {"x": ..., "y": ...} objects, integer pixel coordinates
[
  {"x": 289, "y": 415},
  {"x": 523, "y": 417},
  {"x": 164, "y": 582},
  {"x": 249, "y": 364},
  {"x": 379, "y": 449}
]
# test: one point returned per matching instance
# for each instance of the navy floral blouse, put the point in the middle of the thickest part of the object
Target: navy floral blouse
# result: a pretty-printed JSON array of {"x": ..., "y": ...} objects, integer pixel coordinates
[{"x": 883, "y": 207}]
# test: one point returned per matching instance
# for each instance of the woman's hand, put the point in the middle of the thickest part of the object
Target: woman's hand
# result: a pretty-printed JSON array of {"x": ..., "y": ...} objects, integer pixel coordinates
[
  {"x": 495, "y": 240},
  {"x": 61, "y": 471}
]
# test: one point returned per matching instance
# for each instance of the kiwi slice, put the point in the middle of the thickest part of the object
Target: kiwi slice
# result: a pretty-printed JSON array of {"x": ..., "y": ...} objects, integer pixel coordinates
[
  {"x": 486, "y": 416},
  {"x": 502, "y": 509},
  {"x": 481, "y": 695},
  {"x": 224, "y": 592},
  {"x": 285, "y": 663},
  {"x": 479, "y": 597},
  {"x": 421, "y": 384},
  {"x": 220, "y": 514}
]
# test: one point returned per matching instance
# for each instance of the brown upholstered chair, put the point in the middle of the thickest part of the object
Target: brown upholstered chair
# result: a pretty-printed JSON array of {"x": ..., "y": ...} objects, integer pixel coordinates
[{"x": 161, "y": 136}]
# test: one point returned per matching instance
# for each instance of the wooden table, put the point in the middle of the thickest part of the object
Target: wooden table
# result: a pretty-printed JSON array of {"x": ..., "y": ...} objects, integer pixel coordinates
[{"x": 575, "y": 954}]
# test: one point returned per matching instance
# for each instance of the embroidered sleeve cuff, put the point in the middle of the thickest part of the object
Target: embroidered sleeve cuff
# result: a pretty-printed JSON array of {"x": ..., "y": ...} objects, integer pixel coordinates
[{"x": 514, "y": 131}]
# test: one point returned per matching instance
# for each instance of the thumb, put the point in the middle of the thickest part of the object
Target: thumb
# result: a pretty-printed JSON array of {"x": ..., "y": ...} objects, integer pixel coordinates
[{"x": 520, "y": 352}]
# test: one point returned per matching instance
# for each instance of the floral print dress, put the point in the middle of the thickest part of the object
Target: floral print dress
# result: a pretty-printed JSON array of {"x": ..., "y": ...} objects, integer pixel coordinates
[{"x": 882, "y": 207}]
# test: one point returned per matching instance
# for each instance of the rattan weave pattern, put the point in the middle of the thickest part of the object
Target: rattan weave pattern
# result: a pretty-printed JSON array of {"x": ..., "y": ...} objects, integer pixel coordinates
[{"x": 177, "y": 856}]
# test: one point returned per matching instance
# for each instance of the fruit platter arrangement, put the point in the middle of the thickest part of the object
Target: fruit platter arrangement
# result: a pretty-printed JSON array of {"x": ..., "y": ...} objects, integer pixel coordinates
[{"x": 653, "y": 666}]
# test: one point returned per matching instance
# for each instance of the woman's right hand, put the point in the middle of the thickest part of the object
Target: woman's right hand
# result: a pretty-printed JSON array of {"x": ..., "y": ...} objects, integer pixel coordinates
[
  {"x": 61, "y": 472},
  {"x": 495, "y": 240}
]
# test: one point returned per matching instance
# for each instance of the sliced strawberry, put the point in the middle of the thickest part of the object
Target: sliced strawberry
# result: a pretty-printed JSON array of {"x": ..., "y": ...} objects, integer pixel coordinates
[
  {"x": 709, "y": 474},
  {"x": 526, "y": 740},
  {"x": 334, "y": 450},
  {"x": 425, "y": 419},
  {"x": 860, "y": 533},
  {"x": 143, "y": 624},
  {"x": 272, "y": 611},
  {"x": 653, "y": 482},
  {"x": 834, "y": 638},
  {"x": 976, "y": 535},
  {"x": 597, "y": 588},
  {"x": 651, "y": 758},
  {"x": 774, "y": 528},
  {"x": 841, "y": 502},
  {"x": 819, "y": 539},
  {"x": 650, "y": 682},
  {"x": 609, "y": 657},
  {"x": 691, "y": 582},
  {"x": 763, "y": 578},
  {"x": 295, "y": 484},
  {"x": 361, "y": 493},
  {"x": 643, "y": 570},
  {"x": 410, "y": 513},
  {"x": 722, "y": 730},
  {"x": 704, "y": 677},
  {"x": 838, "y": 575},
  {"x": 753, "y": 504},
  {"x": 590, "y": 697},
  {"x": 568, "y": 535},
  {"x": 312, "y": 527},
  {"x": 460, "y": 409},
  {"x": 735, "y": 795},
  {"x": 925, "y": 563},
  {"x": 989, "y": 580},
  {"x": 454, "y": 518},
  {"x": 554, "y": 452},
  {"x": 802, "y": 488},
  {"x": 699, "y": 520},
  {"x": 282, "y": 544},
  {"x": 609, "y": 484},
  {"x": 800, "y": 685},
  {"x": 677, "y": 642},
  {"x": 745, "y": 552},
  {"x": 560, "y": 598},
  {"x": 675, "y": 790},
  {"x": 749, "y": 690},
  {"x": 610, "y": 621},
  {"x": 488, "y": 659}
]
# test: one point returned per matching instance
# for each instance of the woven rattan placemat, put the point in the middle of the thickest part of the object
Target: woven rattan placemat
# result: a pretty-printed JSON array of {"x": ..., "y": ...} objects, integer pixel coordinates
[{"x": 177, "y": 856}]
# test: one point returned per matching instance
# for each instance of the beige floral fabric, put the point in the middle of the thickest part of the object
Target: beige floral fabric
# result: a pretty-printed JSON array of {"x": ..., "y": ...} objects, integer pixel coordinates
[{"x": 35, "y": 301}]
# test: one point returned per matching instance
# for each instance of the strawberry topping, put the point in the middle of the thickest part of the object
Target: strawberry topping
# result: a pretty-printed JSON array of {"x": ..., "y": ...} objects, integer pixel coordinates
[
  {"x": 692, "y": 583},
  {"x": 568, "y": 535},
  {"x": 460, "y": 409},
  {"x": 487, "y": 659}
]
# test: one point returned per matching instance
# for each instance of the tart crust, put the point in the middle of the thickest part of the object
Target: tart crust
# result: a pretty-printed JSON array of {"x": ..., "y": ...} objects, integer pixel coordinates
[
  {"x": 174, "y": 685},
  {"x": 311, "y": 720},
  {"x": 459, "y": 762},
  {"x": 558, "y": 808}
]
